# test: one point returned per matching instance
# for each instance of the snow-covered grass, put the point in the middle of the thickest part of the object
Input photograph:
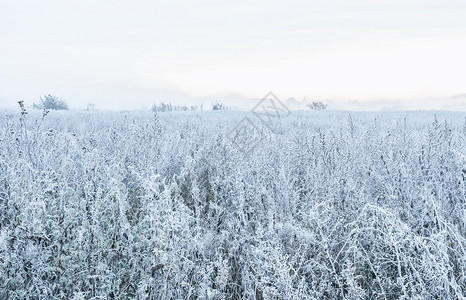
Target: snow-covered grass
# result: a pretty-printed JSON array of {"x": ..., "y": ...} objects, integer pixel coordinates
[{"x": 328, "y": 205}]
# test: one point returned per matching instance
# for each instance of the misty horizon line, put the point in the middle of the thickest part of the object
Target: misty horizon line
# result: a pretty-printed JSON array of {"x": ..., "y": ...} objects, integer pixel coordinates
[
  {"x": 236, "y": 101},
  {"x": 455, "y": 102}
]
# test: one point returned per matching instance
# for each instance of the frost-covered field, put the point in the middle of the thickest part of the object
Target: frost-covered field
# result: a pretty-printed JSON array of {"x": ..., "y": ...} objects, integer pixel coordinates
[{"x": 328, "y": 205}]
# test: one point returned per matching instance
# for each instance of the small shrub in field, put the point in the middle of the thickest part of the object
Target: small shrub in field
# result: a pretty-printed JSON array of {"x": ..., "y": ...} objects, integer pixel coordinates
[{"x": 51, "y": 102}]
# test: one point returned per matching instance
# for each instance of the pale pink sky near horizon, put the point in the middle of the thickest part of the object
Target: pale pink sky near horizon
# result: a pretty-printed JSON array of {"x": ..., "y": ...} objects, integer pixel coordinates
[{"x": 130, "y": 54}]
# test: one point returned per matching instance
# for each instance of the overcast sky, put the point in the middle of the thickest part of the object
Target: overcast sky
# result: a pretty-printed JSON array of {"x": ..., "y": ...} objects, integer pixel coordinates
[{"x": 130, "y": 54}]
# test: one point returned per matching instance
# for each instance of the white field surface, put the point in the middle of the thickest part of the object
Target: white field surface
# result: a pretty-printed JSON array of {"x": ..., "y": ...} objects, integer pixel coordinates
[{"x": 327, "y": 205}]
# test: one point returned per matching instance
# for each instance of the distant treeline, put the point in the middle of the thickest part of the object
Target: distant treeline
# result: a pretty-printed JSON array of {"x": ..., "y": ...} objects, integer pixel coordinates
[{"x": 162, "y": 107}]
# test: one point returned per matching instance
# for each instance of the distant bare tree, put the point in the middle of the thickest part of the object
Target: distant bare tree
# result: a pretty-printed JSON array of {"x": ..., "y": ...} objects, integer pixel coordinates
[
  {"x": 317, "y": 105},
  {"x": 219, "y": 106},
  {"x": 91, "y": 107}
]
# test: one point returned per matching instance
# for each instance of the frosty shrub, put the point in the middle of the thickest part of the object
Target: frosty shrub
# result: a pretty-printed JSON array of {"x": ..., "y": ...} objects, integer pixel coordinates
[
  {"x": 51, "y": 102},
  {"x": 317, "y": 105},
  {"x": 165, "y": 206}
]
